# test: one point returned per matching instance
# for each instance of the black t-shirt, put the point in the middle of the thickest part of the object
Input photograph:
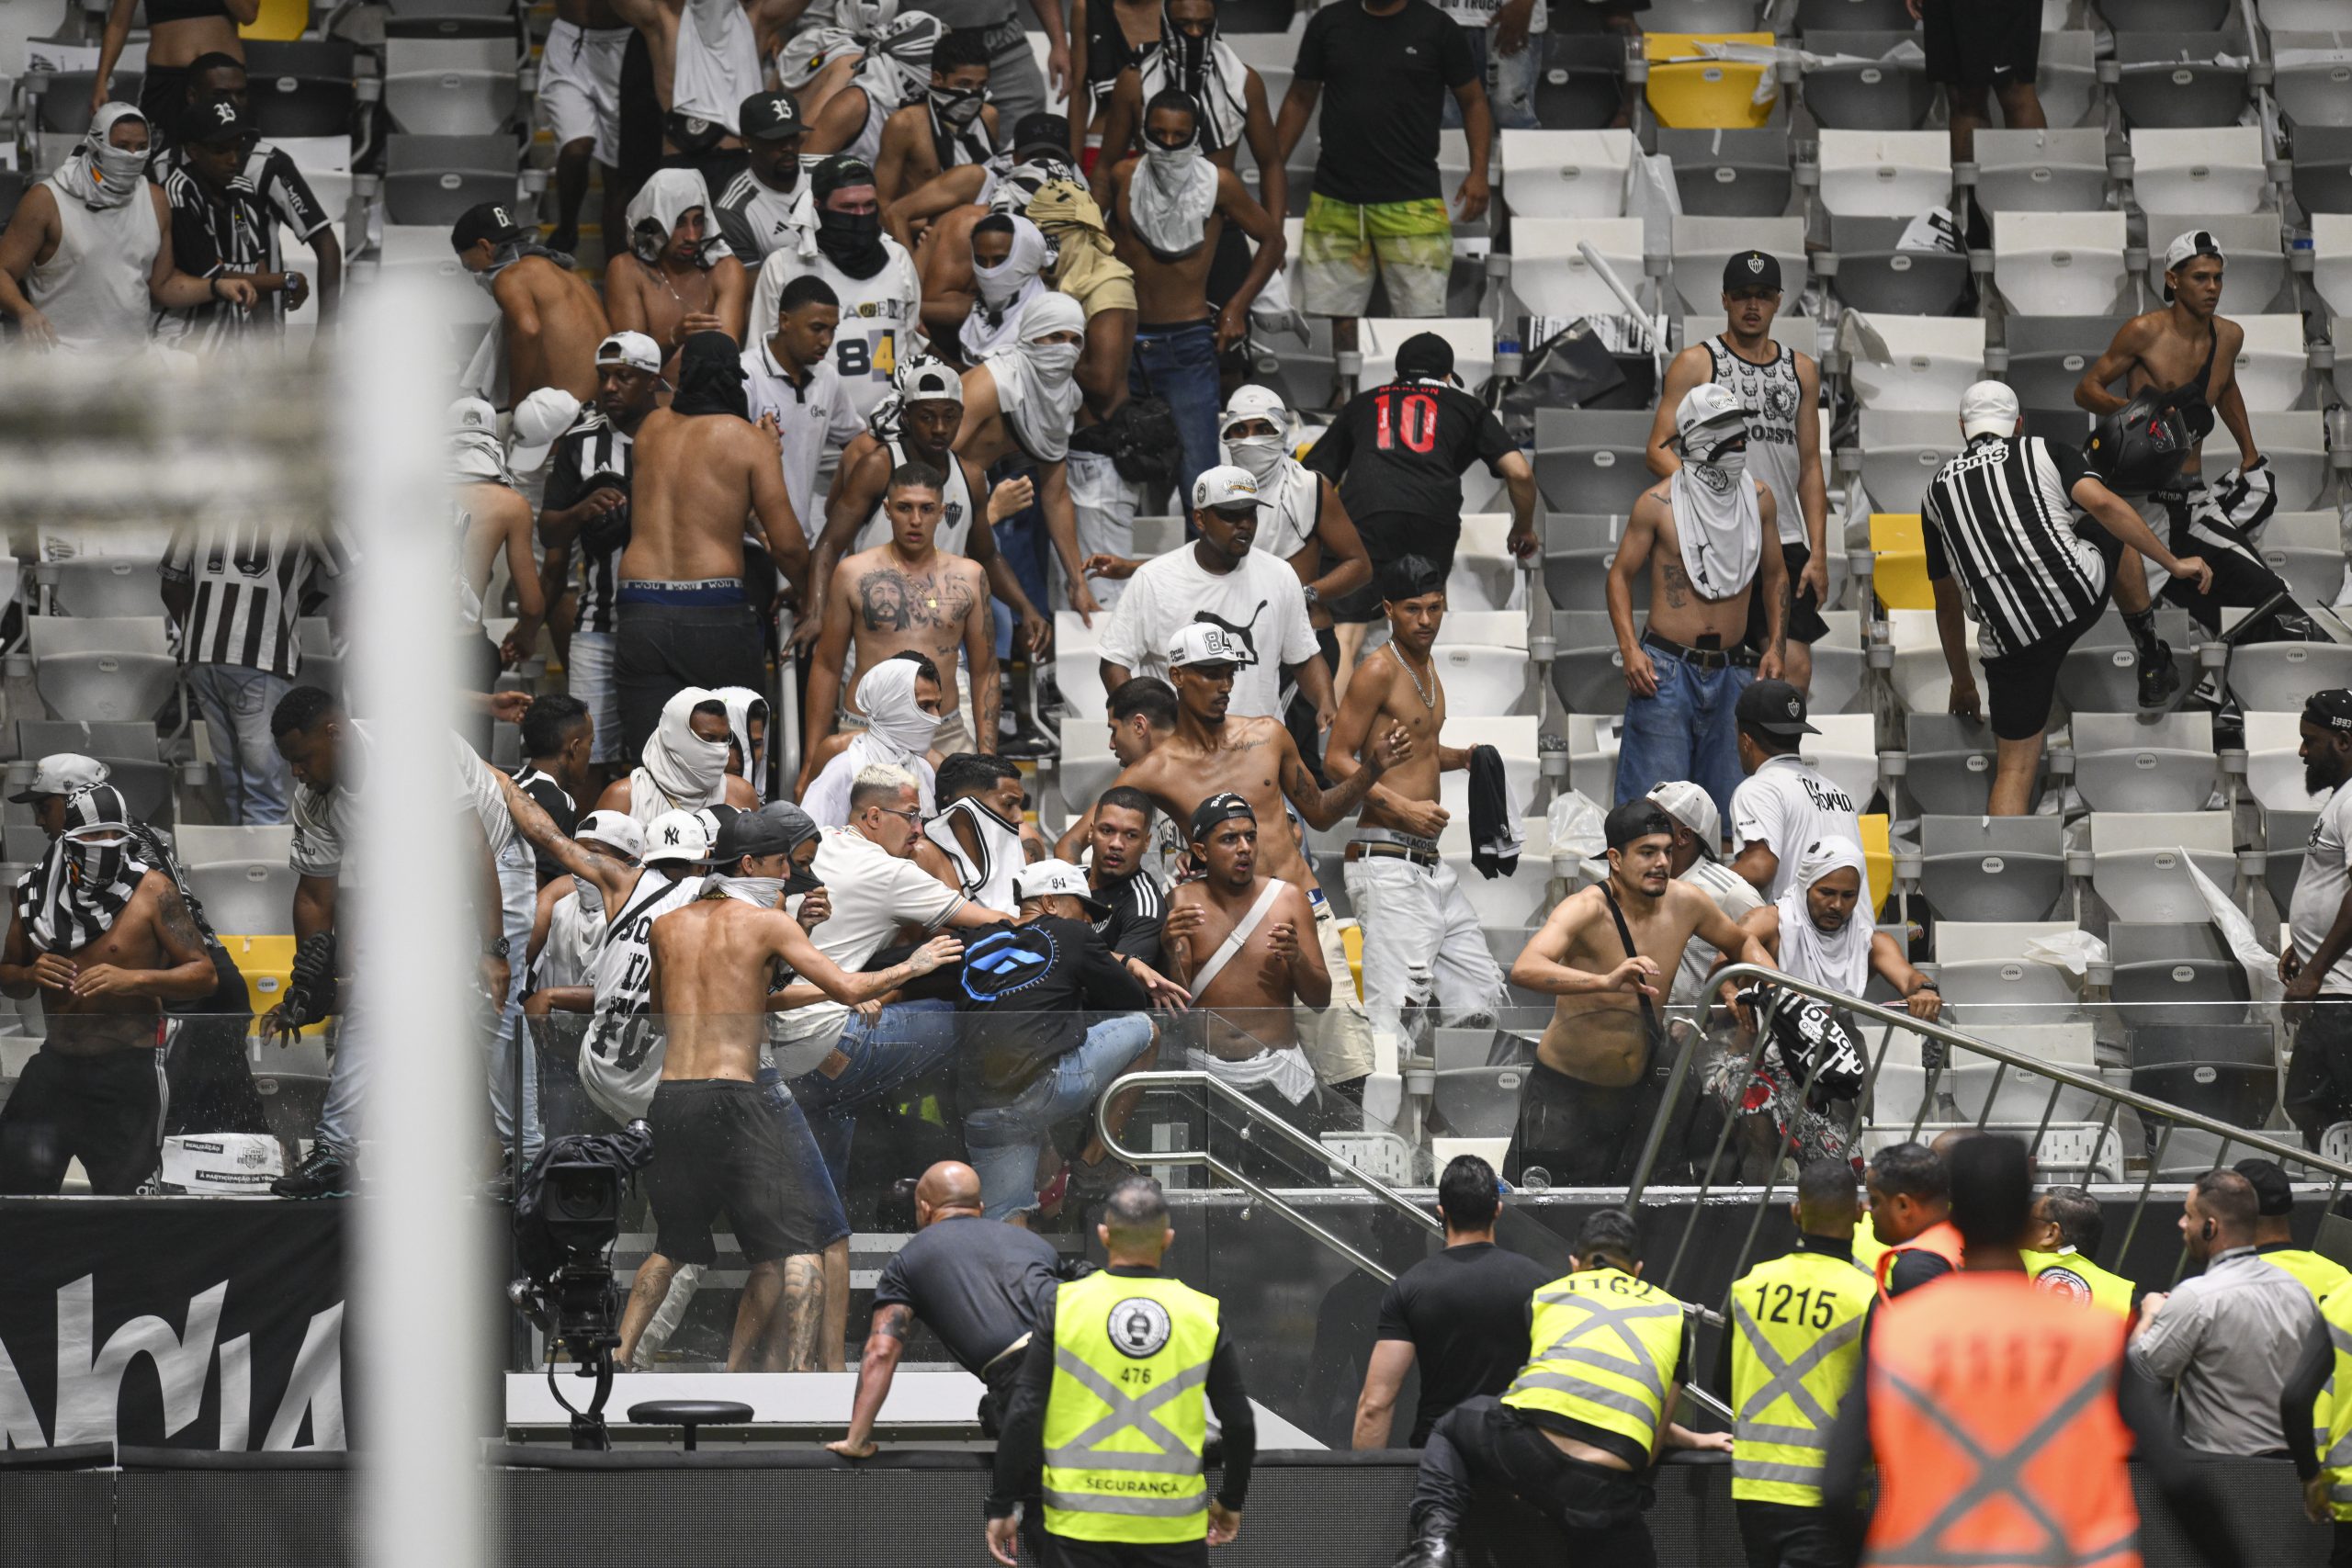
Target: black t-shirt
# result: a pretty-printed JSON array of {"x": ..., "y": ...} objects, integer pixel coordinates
[
  {"x": 1466, "y": 1310},
  {"x": 1138, "y": 908},
  {"x": 978, "y": 1284},
  {"x": 1022, "y": 992},
  {"x": 1385, "y": 84},
  {"x": 558, "y": 803},
  {"x": 1398, "y": 452}
]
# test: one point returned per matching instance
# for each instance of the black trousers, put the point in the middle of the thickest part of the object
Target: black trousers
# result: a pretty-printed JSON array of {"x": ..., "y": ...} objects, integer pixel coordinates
[
  {"x": 1581, "y": 1135},
  {"x": 1127, "y": 1554},
  {"x": 1782, "y": 1535},
  {"x": 2319, "y": 1075},
  {"x": 2240, "y": 578},
  {"x": 657, "y": 649},
  {"x": 106, "y": 1110},
  {"x": 1598, "y": 1509}
]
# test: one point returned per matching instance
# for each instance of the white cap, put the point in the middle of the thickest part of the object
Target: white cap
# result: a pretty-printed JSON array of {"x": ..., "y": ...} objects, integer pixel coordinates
[
  {"x": 538, "y": 420},
  {"x": 676, "y": 834},
  {"x": 2192, "y": 242},
  {"x": 1708, "y": 403},
  {"x": 64, "y": 773},
  {"x": 1694, "y": 808},
  {"x": 921, "y": 378},
  {"x": 1988, "y": 407},
  {"x": 1047, "y": 878},
  {"x": 617, "y": 829},
  {"x": 1254, "y": 402},
  {"x": 1225, "y": 485},
  {"x": 473, "y": 416},
  {"x": 633, "y": 349},
  {"x": 1198, "y": 642}
]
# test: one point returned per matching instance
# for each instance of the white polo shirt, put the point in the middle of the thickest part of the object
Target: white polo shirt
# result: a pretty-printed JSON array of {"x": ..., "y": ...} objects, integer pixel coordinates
[
  {"x": 810, "y": 418},
  {"x": 1787, "y": 806},
  {"x": 1259, "y": 602},
  {"x": 873, "y": 895}
]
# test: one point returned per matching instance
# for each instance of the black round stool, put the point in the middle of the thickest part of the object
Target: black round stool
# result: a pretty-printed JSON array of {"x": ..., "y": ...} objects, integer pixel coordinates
[{"x": 689, "y": 1414}]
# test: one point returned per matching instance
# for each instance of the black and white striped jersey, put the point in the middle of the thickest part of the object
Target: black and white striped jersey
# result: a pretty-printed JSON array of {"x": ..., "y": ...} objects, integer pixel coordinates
[
  {"x": 593, "y": 452},
  {"x": 247, "y": 582},
  {"x": 2000, "y": 518}
]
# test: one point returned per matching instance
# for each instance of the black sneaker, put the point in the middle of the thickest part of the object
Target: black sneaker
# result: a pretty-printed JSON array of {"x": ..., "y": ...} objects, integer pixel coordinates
[
  {"x": 2159, "y": 679},
  {"x": 322, "y": 1174}
]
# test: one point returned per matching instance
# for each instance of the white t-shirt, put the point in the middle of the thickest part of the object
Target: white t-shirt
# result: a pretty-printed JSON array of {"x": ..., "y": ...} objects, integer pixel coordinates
[
  {"x": 2319, "y": 891},
  {"x": 1260, "y": 602},
  {"x": 325, "y": 822},
  {"x": 1787, "y": 806},
  {"x": 1734, "y": 897},
  {"x": 879, "y": 315},
  {"x": 810, "y": 419},
  {"x": 873, "y": 895}
]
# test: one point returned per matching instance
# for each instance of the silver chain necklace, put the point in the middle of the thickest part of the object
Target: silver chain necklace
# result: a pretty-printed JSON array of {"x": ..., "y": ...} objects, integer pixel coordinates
[{"x": 1428, "y": 696}]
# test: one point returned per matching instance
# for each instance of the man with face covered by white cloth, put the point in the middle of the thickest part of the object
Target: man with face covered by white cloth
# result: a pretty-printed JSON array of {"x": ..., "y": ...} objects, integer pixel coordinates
[
  {"x": 1700, "y": 532},
  {"x": 895, "y": 72},
  {"x": 1024, "y": 398},
  {"x": 684, "y": 764},
  {"x": 1301, "y": 518},
  {"x": 900, "y": 696},
  {"x": 1820, "y": 930},
  {"x": 1004, "y": 286}
]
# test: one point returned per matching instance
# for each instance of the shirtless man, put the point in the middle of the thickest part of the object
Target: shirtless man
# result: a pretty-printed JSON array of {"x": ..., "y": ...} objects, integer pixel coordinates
[
  {"x": 1421, "y": 938},
  {"x": 491, "y": 519},
  {"x": 729, "y": 42},
  {"x": 903, "y": 596},
  {"x": 1704, "y": 534},
  {"x": 1593, "y": 1089},
  {"x": 550, "y": 314},
  {"x": 580, "y": 85},
  {"x": 931, "y": 411},
  {"x": 1245, "y": 991},
  {"x": 1025, "y": 400},
  {"x": 720, "y": 1142},
  {"x": 702, "y": 468},
  {"x": 951, "y": 125},
  {"x": 2189, "y": 349},
  {"x": 675, "y": 276},
  {"x": 1193, "y": 58},
  {"x": 104, "y": 940}
]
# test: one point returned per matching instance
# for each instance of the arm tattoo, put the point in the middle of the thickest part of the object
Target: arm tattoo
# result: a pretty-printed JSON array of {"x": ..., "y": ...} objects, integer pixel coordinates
[
  {"x": 893, "y": 1322},
  {"x": 804, "y": 1310},
  {"x": 178, "y": 923}
]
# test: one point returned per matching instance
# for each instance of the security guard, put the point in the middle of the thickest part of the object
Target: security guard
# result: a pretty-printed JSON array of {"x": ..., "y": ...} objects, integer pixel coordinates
[
  {"x": 2001, "y": 1417},
  {"x": 1111, "y": 1402},
  {"x": 2067, "y": 1228},
  {"x": 1794, "y": 1343},
  {"x": 1910, "y": 1200},
  {"x": 2274, "y": 1236},
  {"x": 2318, "y": 1399},
  {"x": 1575, "y": 1434}
]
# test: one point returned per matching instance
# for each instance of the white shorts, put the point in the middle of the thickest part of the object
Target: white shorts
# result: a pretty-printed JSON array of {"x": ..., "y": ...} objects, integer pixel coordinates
[
  {"x": 1102, "y": 508},
  {"x": 590, "y": 670},
  {"x": 1421, "y": 943},
  {"x": 580, "y": 87},
  {"x": 1337, "y": 1040}
]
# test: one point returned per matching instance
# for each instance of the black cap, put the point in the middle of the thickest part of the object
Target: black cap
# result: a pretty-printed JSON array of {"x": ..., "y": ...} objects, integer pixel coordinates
[
  {"x": 1217, "y": 808},
  {"x": 752, "y": 833},
  {"x": 1751, "y": 269},
  {"x": 1425, "y": 355},
  {"x": 1638, "y": 818},
  {"x": 1035, "y": 132},
  {"x": 491, "y": 221},
  {"x": 2329, "y": 709},
  {"x": 2272, "y": 1195},
  {"x": 770, "y": 116},
  {"x": 213, "y": 123},
  {"x": 837, "y": 172},
  {"x": 1773, "y": 706}
]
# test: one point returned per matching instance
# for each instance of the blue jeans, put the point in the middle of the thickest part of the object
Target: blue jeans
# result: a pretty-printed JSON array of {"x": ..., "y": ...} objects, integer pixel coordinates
[
  {"x": 1005, "y": 1141},
  {"x": 1684, "y": 732},
  {"x": 1179, "y": 364},
  {"x": 1022, "y": 540},
  {"x": 885, "y": 1054},
  {"x": 1510, "y": 81},
  {"x": 518, "y": 887},
  {"x": 236, "y": 701}
]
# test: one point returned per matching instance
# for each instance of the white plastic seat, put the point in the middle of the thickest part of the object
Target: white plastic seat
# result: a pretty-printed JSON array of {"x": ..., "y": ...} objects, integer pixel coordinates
[
  {"x": 2208, "y": 169},
  {"x": 2295, "y": 443},
  {"x": 1921, "y": 681},
  {"x": 1992, "y": 868},
  {"x": 2273, "y": 365},
  {"x": 1078, "y": 666},
  {"x": 2257, "y": 269},
  {"x": 1088, "y": 764},
  {"x": 1514, "y": 737},
  {"x": 2299, "y": 16},
  {"x": 1838, "y": 661},
  {"x": 2274, "y": 768},
  {"x": 2059, "y": 264},
  {"x": 1884, "y": 174},
  {"x": 1507, "y": 903},
  {"x": 462, "y": 86},
  {"x": 422, "y": 251},
  {"x": 1485, "y": 575},
  {"x": 2137, "y": 867},
  {"x": 115, "y": 667},
  {"x": 2314, "y": 74},
  {"x": 2008, "y": 990},
  {"x": 101, "y": 585},
  {"x": 1949, "y": 771},
  {"x": 1482, "y": 628},
  {"x": 1587, "y": 670},
  {"x": 1845, "y": 752},
  {"x": 240, "y": 876},
  {"x": 1973, "y": 942},
  {"x": 2193, "y": 80},
  {"x": 1592, "y": 461},
  {"x": 2332, "y": 259},
  {"x": 2277, "y": 676},
  {"x": 1473, "y": 338},
  {"x": 1551, "y": 275},
  {"x": 2067, "y": 81},
  {"x": 2041, "y": 171},
  {"x": 2127, "y": 763},
  {"x": 1484, "y": 681},
  {"x": 1902, "y": 449},
  {"x": 1565, "y": 173},
  {"x": 1914, "y": 361},
  {"x": 1702, "y": 246}
]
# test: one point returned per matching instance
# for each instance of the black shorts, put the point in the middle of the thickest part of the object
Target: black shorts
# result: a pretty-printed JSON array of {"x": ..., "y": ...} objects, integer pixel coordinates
[
  {"x": 719, "y": 1145},
  {"x": 1782, "y": 1535},
  {"x": 106, "y": 1111},
  {"x": 658, "y": 648},
  {"x": 1982, "y": 44},
  {"x": 2019, "y": 687},
  {"x": 1806, "y": 624},
  {"x": 1388, "y": 537},
  {"x": 1579, "y": 1134}
]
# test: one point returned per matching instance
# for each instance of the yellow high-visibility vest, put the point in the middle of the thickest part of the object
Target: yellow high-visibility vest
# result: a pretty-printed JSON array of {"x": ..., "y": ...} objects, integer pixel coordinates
[
  {"x": 1607, "y": 1347},
  {"x": 1796, "y": 1325},
  {"x": 1126, "y": 1417}
]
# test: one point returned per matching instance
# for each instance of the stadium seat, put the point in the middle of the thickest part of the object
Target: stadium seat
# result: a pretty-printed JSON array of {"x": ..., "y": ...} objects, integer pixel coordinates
[
  {"x": 2313, "y": 75},
  {"x": 2273, "y": 365},
  {"x": 1884, "y": 174},
  {"x": 1877, "y": 274},
  {"x": 101, "y": 669},
  {"x": 1992, "y": 868},
  {"x": 1899, "y": 561},
  {"x": 2160, "y": 969},
  {"x": 422, "y": 250},
  {"x": 322, "y": 658},
  {"x": 2167, "y": 16},
  {"x": 1087, "y": 765},
  {"x": 2218, "y": 1069},
  {"x": 1845, "y": 752},
  {"x": 1862, "y": 84},
  {"x": 1472, "y": 339},
  {"x": 1583, "y": 84},
  {"x": 2041, "y": 171},
  {"x": 1550, "y": 276},
  {"x": 1913, "y": 362},
  {"x": 1485, "y": 680},
  {"x": 128, "y": 747},
  {"x": 1850, "y": 15},
  {"x": 2100, "y": 673},
  {"x": 2306, "y": 549},
  {"x": 65, "y": 103},
  {"x": 2258, "y": 267},
  {"x": 450, "y": 18},
  {"x": 1509, "y": 903},
  {"x": 2180, "y": 80},
  {"x": 2286, "y": 834},
  {"x": 1838, "y": 661},
  {"x": 1972, "y": 941},
  {"x": 301, "y": 88},
  {"x": 433, "y": 179},
  {"x": 1513, "y": 737},
  {"x": 2323, "y": 167},
  {"x": 1078, "y": 665},
  {"x": 2144, "y": 762},
  {"x": 1485, "y": 575},
  {"x": 450, "y": 86},
  {"x": 1479, "y": 1102},
  {"x": 1950, "y": 769},
  {"x": 1701, "y": 16},
  {"x": 1576, "y": 578},
  {"x": 1484, "y": 628},
  {"x": 1729, "y": 174},
  {"x": 240, "y": 876},
  {"x": 2059, "y": 264},
  {"x": 1901, "y": 450},
  {"x": 2002, "y": 989},
  {"x": 2299, "y": 16},
  {"x": 1587, "y": 670},
  {"x": 2277, "y": 676},
  {"x": 2274, "y": 771},
  {"x": 100, "y": 585},
  {"x": 1565, "y": 173},
  {"x": 2213, "y": 169},
  {"x": 1591, "y": 460},
  {"x": 1691, "y": 88},
  {"x": 2332, "y": 259},
  {"x": 2067, "y": 81},
  {"x": 1922, "y": 683},
  {"x": 2137, "y": 867},
  {"x": 1702, "y": 246}
]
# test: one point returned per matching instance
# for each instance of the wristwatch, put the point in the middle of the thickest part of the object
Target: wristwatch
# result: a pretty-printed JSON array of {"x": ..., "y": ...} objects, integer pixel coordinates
[
  {"x": 498, "y": 949},
  {"x": 1314, "y": 596}
]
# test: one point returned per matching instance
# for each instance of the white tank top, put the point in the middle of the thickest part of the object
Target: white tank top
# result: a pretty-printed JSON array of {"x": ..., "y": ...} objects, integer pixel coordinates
[
  {"x": 956, "y": 509},
  {"x": 621, "y": 1059},
  {"x": 1773, "y": 392},
  {"x": 93, "y": 290},
  {"x": 987, "y": 878},
  {"x": 1292, "y": 506},
  {"x": 568, "y": 957},
  {"x": 719, "y": 61},
  {"x": 868, "y": 144}
]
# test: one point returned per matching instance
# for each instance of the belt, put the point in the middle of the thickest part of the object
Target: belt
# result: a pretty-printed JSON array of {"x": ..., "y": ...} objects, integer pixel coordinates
[
  {"x": 1380, "y": 843},
  {"x": 1704, "y": 658}
]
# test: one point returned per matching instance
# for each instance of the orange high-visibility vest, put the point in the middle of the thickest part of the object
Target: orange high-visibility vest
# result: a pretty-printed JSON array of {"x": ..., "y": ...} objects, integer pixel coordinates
[
  {"x": 1994, "y": 1422},
  {"x": 1940, "y": 1238}
]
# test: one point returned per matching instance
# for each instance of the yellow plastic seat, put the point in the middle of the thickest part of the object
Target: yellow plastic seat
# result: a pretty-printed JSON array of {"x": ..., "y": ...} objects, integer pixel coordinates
[
  {"x": 1899, "y": 569},
  {"x": 1351, "y": 938},
  {"x": 268, "y": 964},
  {"x": 1688, "y": 93},
  {"x": 280, "y": 21},
  {"x": 1878, "y": 861}
]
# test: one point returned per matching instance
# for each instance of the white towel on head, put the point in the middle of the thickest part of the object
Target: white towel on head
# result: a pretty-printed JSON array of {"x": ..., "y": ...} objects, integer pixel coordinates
[
  {"x": 689, "y": 770},
  {"x": 668, "y": 195},
  {"x": 1838, "y": 959},
  {"x": 1002, "y": 291},
  {"x": 1169, "y": 199},
  {"x": 1719, "y": 527},
  {"x": 1036, "y": 383}
]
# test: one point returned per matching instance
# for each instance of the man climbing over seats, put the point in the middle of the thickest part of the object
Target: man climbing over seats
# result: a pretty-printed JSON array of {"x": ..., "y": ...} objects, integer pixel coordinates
[{"x": 549, "y": 319}]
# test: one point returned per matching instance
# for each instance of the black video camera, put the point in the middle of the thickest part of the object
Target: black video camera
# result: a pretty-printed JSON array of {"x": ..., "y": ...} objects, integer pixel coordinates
[{"x": 567, "y": 1217}]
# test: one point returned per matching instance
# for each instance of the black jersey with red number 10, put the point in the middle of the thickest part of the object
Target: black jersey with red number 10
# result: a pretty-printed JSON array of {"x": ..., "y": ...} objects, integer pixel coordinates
[{"x": 1405, "y": 446}]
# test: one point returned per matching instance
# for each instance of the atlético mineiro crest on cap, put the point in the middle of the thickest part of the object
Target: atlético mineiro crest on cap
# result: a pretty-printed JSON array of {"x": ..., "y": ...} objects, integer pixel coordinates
[
  {"x": 1796, "y": 708},
  {"x": 1756, "y": 264}
]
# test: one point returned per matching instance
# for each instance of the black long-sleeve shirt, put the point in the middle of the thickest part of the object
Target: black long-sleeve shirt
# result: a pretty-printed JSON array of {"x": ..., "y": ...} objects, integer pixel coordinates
[
  {"x": 1020, "y": 1446},
  {"x": 2298, "y": 1400}
]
